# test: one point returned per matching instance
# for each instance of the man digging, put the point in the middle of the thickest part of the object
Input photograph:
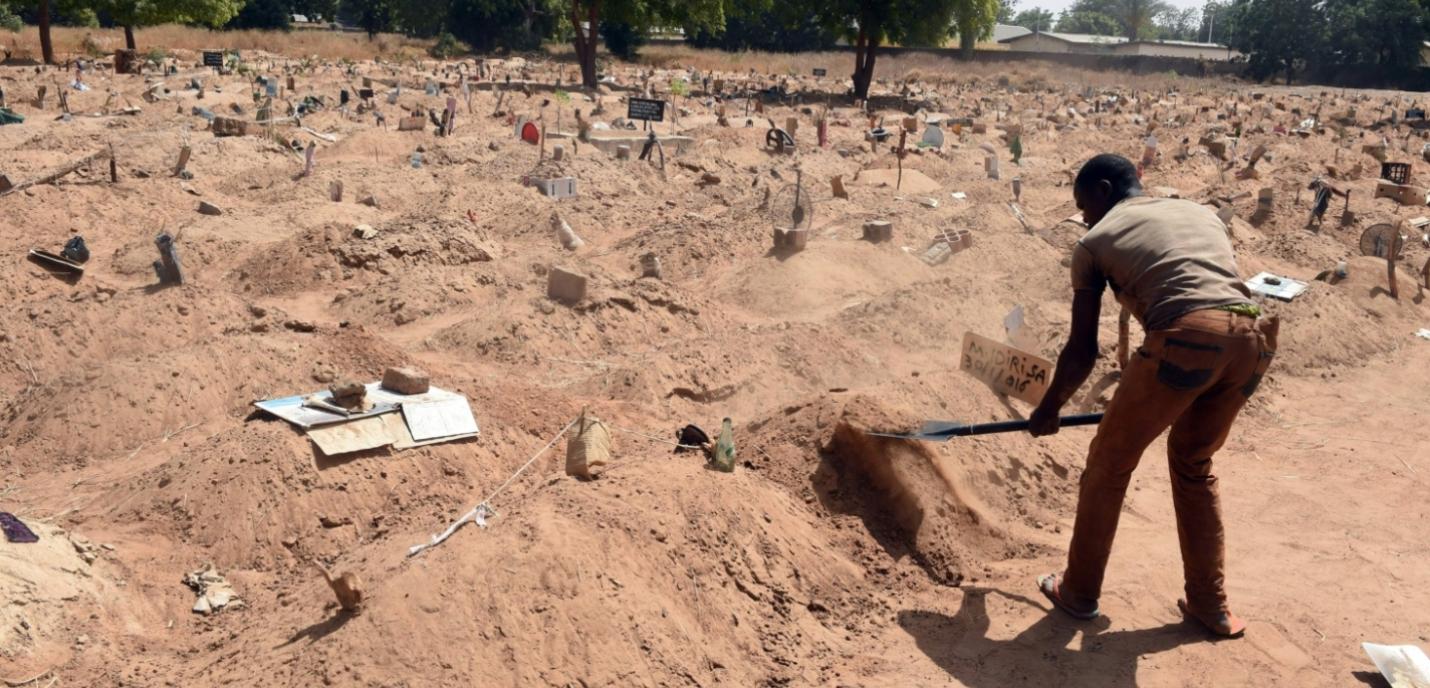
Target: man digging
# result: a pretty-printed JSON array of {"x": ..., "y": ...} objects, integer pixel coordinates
[{"x": 1171, "y": 264}]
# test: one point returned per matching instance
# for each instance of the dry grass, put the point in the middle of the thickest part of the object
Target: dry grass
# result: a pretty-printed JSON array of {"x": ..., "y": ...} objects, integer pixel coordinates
[
  {"x": 918, "y": 67},
  {"x": 330, "y": 45}
]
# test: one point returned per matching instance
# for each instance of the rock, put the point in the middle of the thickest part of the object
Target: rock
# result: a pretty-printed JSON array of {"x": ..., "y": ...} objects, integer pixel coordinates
[
  {"x": 214, "y": 592},
  {"x": 368, "y": 200},
  {"x": 348, "y": 389},
  {"x": 300, "y": 326},
  {"x": 206, "y": 208},
  {"x": 837, "y": 185},
  {"x": 324, "y": 375},
  {"x": 565, "y": 234},
  {"x": 364, "y": 232},
  {"x": 256, "y": 310},
  {"x": 330, "y": 522},
  {"x": 708, "y": 179},
  {"x": 405, "y": 380}
]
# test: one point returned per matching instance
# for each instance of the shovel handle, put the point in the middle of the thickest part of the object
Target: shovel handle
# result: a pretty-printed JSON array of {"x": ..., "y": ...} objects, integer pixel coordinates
[{"x": 1020, "y": 425}]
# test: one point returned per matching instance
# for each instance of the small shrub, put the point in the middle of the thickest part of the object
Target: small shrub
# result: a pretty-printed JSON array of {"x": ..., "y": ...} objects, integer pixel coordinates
[
  {"x": 91, "y": 47},
  {"x": 446, "y": 46}
]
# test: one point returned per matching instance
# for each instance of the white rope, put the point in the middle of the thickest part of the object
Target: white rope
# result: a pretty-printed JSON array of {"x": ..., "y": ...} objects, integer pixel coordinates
[
  {"x": 657, "y": 439},
  {"x": 483, "y": 509}
]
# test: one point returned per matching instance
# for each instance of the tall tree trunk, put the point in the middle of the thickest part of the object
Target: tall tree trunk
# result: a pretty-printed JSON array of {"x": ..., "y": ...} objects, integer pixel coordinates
[
  {"x": 865, "y": 50},
  {"x": 585, "y": 43},
  {"x": 129, "y": 38},
  {"x": 966, "y": 42},
  {"x": 47, "y": 48}
]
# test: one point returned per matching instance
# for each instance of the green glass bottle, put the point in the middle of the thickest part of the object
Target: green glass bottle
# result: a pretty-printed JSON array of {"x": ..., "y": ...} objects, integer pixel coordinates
[{"x": 725, "y": 448}]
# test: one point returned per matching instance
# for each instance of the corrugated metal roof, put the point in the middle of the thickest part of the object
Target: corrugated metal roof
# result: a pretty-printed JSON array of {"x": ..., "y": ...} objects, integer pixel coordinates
[
  {"x": 1004, "y": 32},
  {"x": 1188, "y": 44},
  {"x": 1087, "y": 38}
]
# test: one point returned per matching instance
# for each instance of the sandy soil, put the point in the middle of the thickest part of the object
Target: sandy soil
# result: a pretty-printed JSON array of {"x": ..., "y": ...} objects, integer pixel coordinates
[{"x": 828, "y": 558}]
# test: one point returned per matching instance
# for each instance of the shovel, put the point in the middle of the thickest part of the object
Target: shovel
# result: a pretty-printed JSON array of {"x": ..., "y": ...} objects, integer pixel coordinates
[{"x": 943, "y": 431}]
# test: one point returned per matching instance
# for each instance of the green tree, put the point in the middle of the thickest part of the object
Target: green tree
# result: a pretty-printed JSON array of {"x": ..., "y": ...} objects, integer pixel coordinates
[
  {"x": 1086, "y": 21},
  {"x": 374, "y": 16},
  {"x": 9, "y": 20},
  {"x": 1036, "y": 19},
  {"x": 871, "y": 23},
  {"x": 1215, "y": 22},
  {"x": 586, "y": 16},
  {"x": 622, "y": 39},
  {"x": 973, "y": 20},
  {"x": 1279, "y": 36},
  {"x": 315, "y": 9},
  {"x": 760, "y": 25},
  {"x": 485, "y": 25},
  {"x": 1137, "y": 16},
  {"x": 134, "y": 13},
  {"x": 1385, "y": 33},
  {"x": 1177, "y": 24},
  {"x": 1007, "y": 9},
  {"x": 263, "y": 14}
]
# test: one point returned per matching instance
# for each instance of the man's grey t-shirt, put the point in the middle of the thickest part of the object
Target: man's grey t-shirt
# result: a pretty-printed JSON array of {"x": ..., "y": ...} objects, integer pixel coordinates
[{"x": 1163, "y": 258}]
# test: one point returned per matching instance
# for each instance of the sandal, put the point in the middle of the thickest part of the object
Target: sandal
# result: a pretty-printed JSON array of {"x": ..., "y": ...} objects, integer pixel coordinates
[
  {"x": 1048, "y": 585},
  {"x": 1224, "y": 625}
]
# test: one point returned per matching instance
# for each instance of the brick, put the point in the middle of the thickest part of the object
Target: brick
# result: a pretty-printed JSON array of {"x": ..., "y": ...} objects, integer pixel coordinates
[
  {"x": 878, "y": 230},
  {"x": 565, "y": 286},
  {"x": 791, "y": 239},
  {"x": 228, "y": 126},
  {"x": 406, "y": 380}
]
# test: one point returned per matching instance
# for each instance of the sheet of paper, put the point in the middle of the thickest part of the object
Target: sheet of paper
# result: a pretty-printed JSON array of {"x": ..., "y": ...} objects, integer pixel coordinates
[{"x": 441, "y": 418}]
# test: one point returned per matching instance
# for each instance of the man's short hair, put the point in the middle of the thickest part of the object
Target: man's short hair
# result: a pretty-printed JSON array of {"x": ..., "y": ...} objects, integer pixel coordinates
[{"x": 1117, "y": 170}]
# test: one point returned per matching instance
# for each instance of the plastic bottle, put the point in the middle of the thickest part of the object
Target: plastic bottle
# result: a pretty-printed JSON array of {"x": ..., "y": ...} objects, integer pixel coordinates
[{"x": 416, "y": 159}]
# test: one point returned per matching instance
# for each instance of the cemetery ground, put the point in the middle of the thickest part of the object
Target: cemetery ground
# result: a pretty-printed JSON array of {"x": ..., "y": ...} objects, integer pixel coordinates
[{"x": 131, "y": 446}]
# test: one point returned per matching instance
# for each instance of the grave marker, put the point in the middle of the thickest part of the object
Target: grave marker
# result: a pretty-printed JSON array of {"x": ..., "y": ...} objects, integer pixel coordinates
[
  {"x": 308, "y": 158},
  {"x": 183, "y": 163},
  {"x": 645, "y": 109},
  {"x": 559, "y": 188},
  {"x": 933, "y": 136},
  {"x": 876, "y": 231},
  {"x": 167, "y": 267},
  {"x": 1006, "y": 370}
]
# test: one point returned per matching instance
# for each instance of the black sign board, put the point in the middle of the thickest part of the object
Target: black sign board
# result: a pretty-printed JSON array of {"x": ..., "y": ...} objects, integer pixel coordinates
[
  {"x": 343, "y": 97},
  {"x": 820, "y": 71},
  {"x": 213, "y": 58},
  {"x": 646, "y": 109},
  {"x": 365, "y": 93}
]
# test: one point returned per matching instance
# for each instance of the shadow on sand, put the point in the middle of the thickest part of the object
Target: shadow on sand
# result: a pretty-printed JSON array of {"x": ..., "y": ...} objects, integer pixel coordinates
[{"x": 1039, "y": 656}]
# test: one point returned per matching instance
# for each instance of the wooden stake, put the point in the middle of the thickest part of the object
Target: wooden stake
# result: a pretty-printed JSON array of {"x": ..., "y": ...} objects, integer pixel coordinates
[{"x": 57, "y": 174}]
